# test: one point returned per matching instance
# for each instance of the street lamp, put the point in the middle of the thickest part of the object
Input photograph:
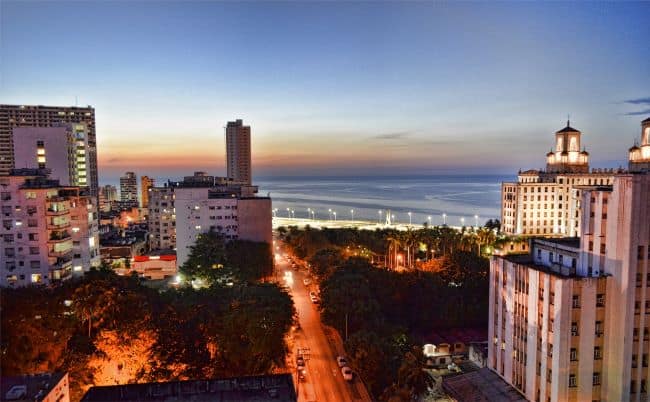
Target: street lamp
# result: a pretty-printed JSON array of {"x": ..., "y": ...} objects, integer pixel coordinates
[
  {"x": 275, "y": 213},
  {"x": 329, "y": 210},
  {"x": 429, "y": 218},
  {"x": 334, "y": 212},
  {"x": 380, "y": 212},
  {"x": 462, "y": 221},
  {"x": 288, "y": 213},
  {"x": 476, "y": 219},
  {"x": 444, "y": 219},
  {"x": 409, "y": 219},
  {"x": 293, "y": 214},
  {"x": 313, "y": 215},
  {"x": 392, "y": 219},
  {"x": 352, "y": 213}
]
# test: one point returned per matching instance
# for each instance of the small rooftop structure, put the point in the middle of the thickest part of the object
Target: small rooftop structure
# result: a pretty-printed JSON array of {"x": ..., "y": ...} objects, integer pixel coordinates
[
  {"x": 482, "y": 385},
  {"x": 271, "y": 388}
]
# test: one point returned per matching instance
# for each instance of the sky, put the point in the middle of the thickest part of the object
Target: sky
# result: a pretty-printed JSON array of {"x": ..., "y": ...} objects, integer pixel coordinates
[{"x": 335, "y": 88}]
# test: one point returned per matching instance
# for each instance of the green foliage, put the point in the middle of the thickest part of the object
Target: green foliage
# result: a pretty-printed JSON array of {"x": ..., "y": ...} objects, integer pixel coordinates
[
  {"x": 324, "y": 262},
  {"x": 206, "y": 256},
  {"x": 250, "y": 261}
]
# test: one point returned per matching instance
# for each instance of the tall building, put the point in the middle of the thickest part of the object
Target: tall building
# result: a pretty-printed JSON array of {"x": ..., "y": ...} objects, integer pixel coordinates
[
  {"x": 13, "y": 116},
  {"x": 62, "y": 149},
  {"x": 49, "y": 231},
  {"x": 571, "y": 320},
  {"x": 238, "y": 152},
  {"x": 146, "y": 183},
  {"x": 639, "y": 158},
  {"x": 107, "y": 195},
  {"x": 162, "y": 218},
  {"x": 545, "y": 202},
  {"x": 129, "y": 189}
]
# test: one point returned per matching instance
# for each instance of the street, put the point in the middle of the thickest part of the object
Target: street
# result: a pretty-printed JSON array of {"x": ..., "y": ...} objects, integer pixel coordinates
[{"x": 323, "y": 380}]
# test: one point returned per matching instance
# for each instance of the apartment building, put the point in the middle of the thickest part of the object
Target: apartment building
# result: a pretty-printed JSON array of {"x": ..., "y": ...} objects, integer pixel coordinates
[
  {"x": 107, "y": 196},
  {"x": 570, "y": 321},
  {"x": 62, "y": 149},
  {"x": 14, "y": 116},
  {"x": 129, "y": 189},
  {"x": 162, "y": 218},
  {"x": 639, "y": 157},
  {"x": 49, "y": 231},
  {"x": 146, "y": 183},
  {"x": 238, "y": 152},
  {"x": 232, "y": 210},
  {"x": 545, "y": 202}
]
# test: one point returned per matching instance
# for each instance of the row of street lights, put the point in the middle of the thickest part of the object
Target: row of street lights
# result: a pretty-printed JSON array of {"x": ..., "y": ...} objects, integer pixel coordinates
[{"x": 291, "y": 213}]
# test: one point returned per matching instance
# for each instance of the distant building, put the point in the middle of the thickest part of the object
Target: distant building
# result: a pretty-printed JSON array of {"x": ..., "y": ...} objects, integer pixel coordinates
[
  {"x": 107, "y": 196},
  {"x": 52, "y": 387},
  {"x": 48, "y": 231},
  {"x": 238, "y": 152},
  {"x": 12, "y": 116},
  {"x": 232, "y": 210},
  {"x": 129, "y": 189},
  {"x": 570, "y": 321},
  {"x": 545, "y": 202},
  {"x": 62, "y": 149},
  {"x": 639, "y": 158},
  {"x": 146, "y": 183},
  {"x": 156, "y": 265}
]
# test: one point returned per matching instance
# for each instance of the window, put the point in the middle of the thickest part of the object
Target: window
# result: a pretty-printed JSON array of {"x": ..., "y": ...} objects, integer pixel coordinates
[
  {"x": 633, "y": 387},
  {"x": 35, "y": 264},
  {"x": 599, "y": 328},
  {"x": 639, "y": 279},
  {"x": 602, "y": 248},
  {"x": 597, "y": 353},
  {"x": 572, "y": 381},
  {"x": 639, "y": 253},
  {"x": 600, "y": 300},
  {"x": 33, "y": 251},
  {"x": 596, "y": 378},
  {"x": 574, "y": 354},
  {"x": 574, "y": 329},
  {"x": 576, "y": 301}
]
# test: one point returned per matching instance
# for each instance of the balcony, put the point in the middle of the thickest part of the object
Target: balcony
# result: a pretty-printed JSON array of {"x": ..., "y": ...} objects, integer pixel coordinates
[
  {"x": 61, "y": 251},
  {"x": 58, "y": 226},
  {"x": 56, "y": 212},
  {"x": 57, "y": 237}
]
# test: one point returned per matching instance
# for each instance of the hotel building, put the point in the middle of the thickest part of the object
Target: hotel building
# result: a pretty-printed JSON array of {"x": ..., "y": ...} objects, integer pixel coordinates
[
  {"x": 545, "y": 202},
  {"x": 571, "y": 320},
  {"x": 13, "y": 116},
  {"x": 48, "y": 232},
  {"x": 238, "y": 152},
  {"x": 129, "y": 189}
]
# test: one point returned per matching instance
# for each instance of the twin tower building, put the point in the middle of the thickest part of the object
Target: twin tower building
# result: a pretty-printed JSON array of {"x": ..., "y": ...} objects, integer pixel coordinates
[{"x": 570, "y": 319}]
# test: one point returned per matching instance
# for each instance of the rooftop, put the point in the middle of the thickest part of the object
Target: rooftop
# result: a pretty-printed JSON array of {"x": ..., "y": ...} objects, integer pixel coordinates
[
  {"x": 482, "y": 385},
  {"x": 34, "y": 388},
  {"x": 453, "y": 335},
  {"x": 278, "y": 387},
  {"x": 568, "y": 129}
]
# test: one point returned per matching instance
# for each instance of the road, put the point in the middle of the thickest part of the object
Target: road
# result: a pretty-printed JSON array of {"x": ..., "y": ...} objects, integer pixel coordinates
[{"x": 323, "y": 379}]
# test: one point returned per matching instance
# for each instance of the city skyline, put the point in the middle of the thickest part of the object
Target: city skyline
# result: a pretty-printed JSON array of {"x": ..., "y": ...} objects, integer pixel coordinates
[{"x": 387, "y": 88}]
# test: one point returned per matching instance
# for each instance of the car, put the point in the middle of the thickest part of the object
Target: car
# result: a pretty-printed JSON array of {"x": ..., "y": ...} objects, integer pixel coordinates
[
  {"x": 312, "y": 294},
  {"x": 306, "y": 281},
  {"x": 300, "y": 361},
  {"x": 341, "y": 361},
  {"x": 348, "y": 375}
]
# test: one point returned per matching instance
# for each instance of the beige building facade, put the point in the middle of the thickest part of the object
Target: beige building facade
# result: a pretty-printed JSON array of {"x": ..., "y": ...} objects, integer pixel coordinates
[{"x": 238, "y": 152}]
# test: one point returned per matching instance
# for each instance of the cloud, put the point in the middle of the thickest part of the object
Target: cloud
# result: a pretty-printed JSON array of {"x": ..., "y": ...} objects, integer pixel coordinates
[
  {"x": 638, "y": 101},
  {"x": 392, "y": 136},
  {"x": 640, "y": 112}
]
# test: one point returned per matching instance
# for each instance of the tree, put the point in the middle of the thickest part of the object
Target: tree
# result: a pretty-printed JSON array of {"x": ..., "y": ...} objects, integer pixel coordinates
[
  {"x": 411, "y": 376},
  {"x": 249, "y": 260},
  {"x": 206, "y": 257},
  {"x": 324, "y": 261}
]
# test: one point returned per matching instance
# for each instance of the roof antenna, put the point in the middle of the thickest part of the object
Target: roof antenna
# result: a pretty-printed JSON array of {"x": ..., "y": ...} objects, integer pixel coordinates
[{"x": 568, "y": 120}]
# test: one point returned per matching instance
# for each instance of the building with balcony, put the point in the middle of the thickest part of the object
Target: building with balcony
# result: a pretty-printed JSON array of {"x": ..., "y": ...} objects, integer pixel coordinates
[
  {"x": 129, "y": 189},
  {"x": 146, "y": 183},
  {"x": 49, "y": 231}
]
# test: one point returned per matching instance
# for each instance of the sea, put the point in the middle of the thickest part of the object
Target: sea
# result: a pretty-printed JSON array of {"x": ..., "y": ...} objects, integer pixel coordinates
[{"x": 370, "y": 198}]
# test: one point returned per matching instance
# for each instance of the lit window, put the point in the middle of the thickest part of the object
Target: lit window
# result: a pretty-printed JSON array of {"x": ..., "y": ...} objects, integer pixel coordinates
[
  {"x": 77, "y": 268},
  {"x": 91, "y": 241},
  {"x": 36, "y": 278},
  {"x": 75, "y": 230},
  {"x": 197, "y": 227}
]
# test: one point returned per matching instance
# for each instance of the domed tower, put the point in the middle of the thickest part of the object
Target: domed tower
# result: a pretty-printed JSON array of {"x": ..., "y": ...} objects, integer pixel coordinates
[
  {"x": 639, "y": 159},
  {"x": 567, "y": 156}
]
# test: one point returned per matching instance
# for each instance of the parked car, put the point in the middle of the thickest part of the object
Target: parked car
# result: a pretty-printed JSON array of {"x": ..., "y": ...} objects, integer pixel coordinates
[
  {"x": 300, "y": 361},
  {"x": 341, "y": 361},
  {"x": 347, "y": 373}
]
